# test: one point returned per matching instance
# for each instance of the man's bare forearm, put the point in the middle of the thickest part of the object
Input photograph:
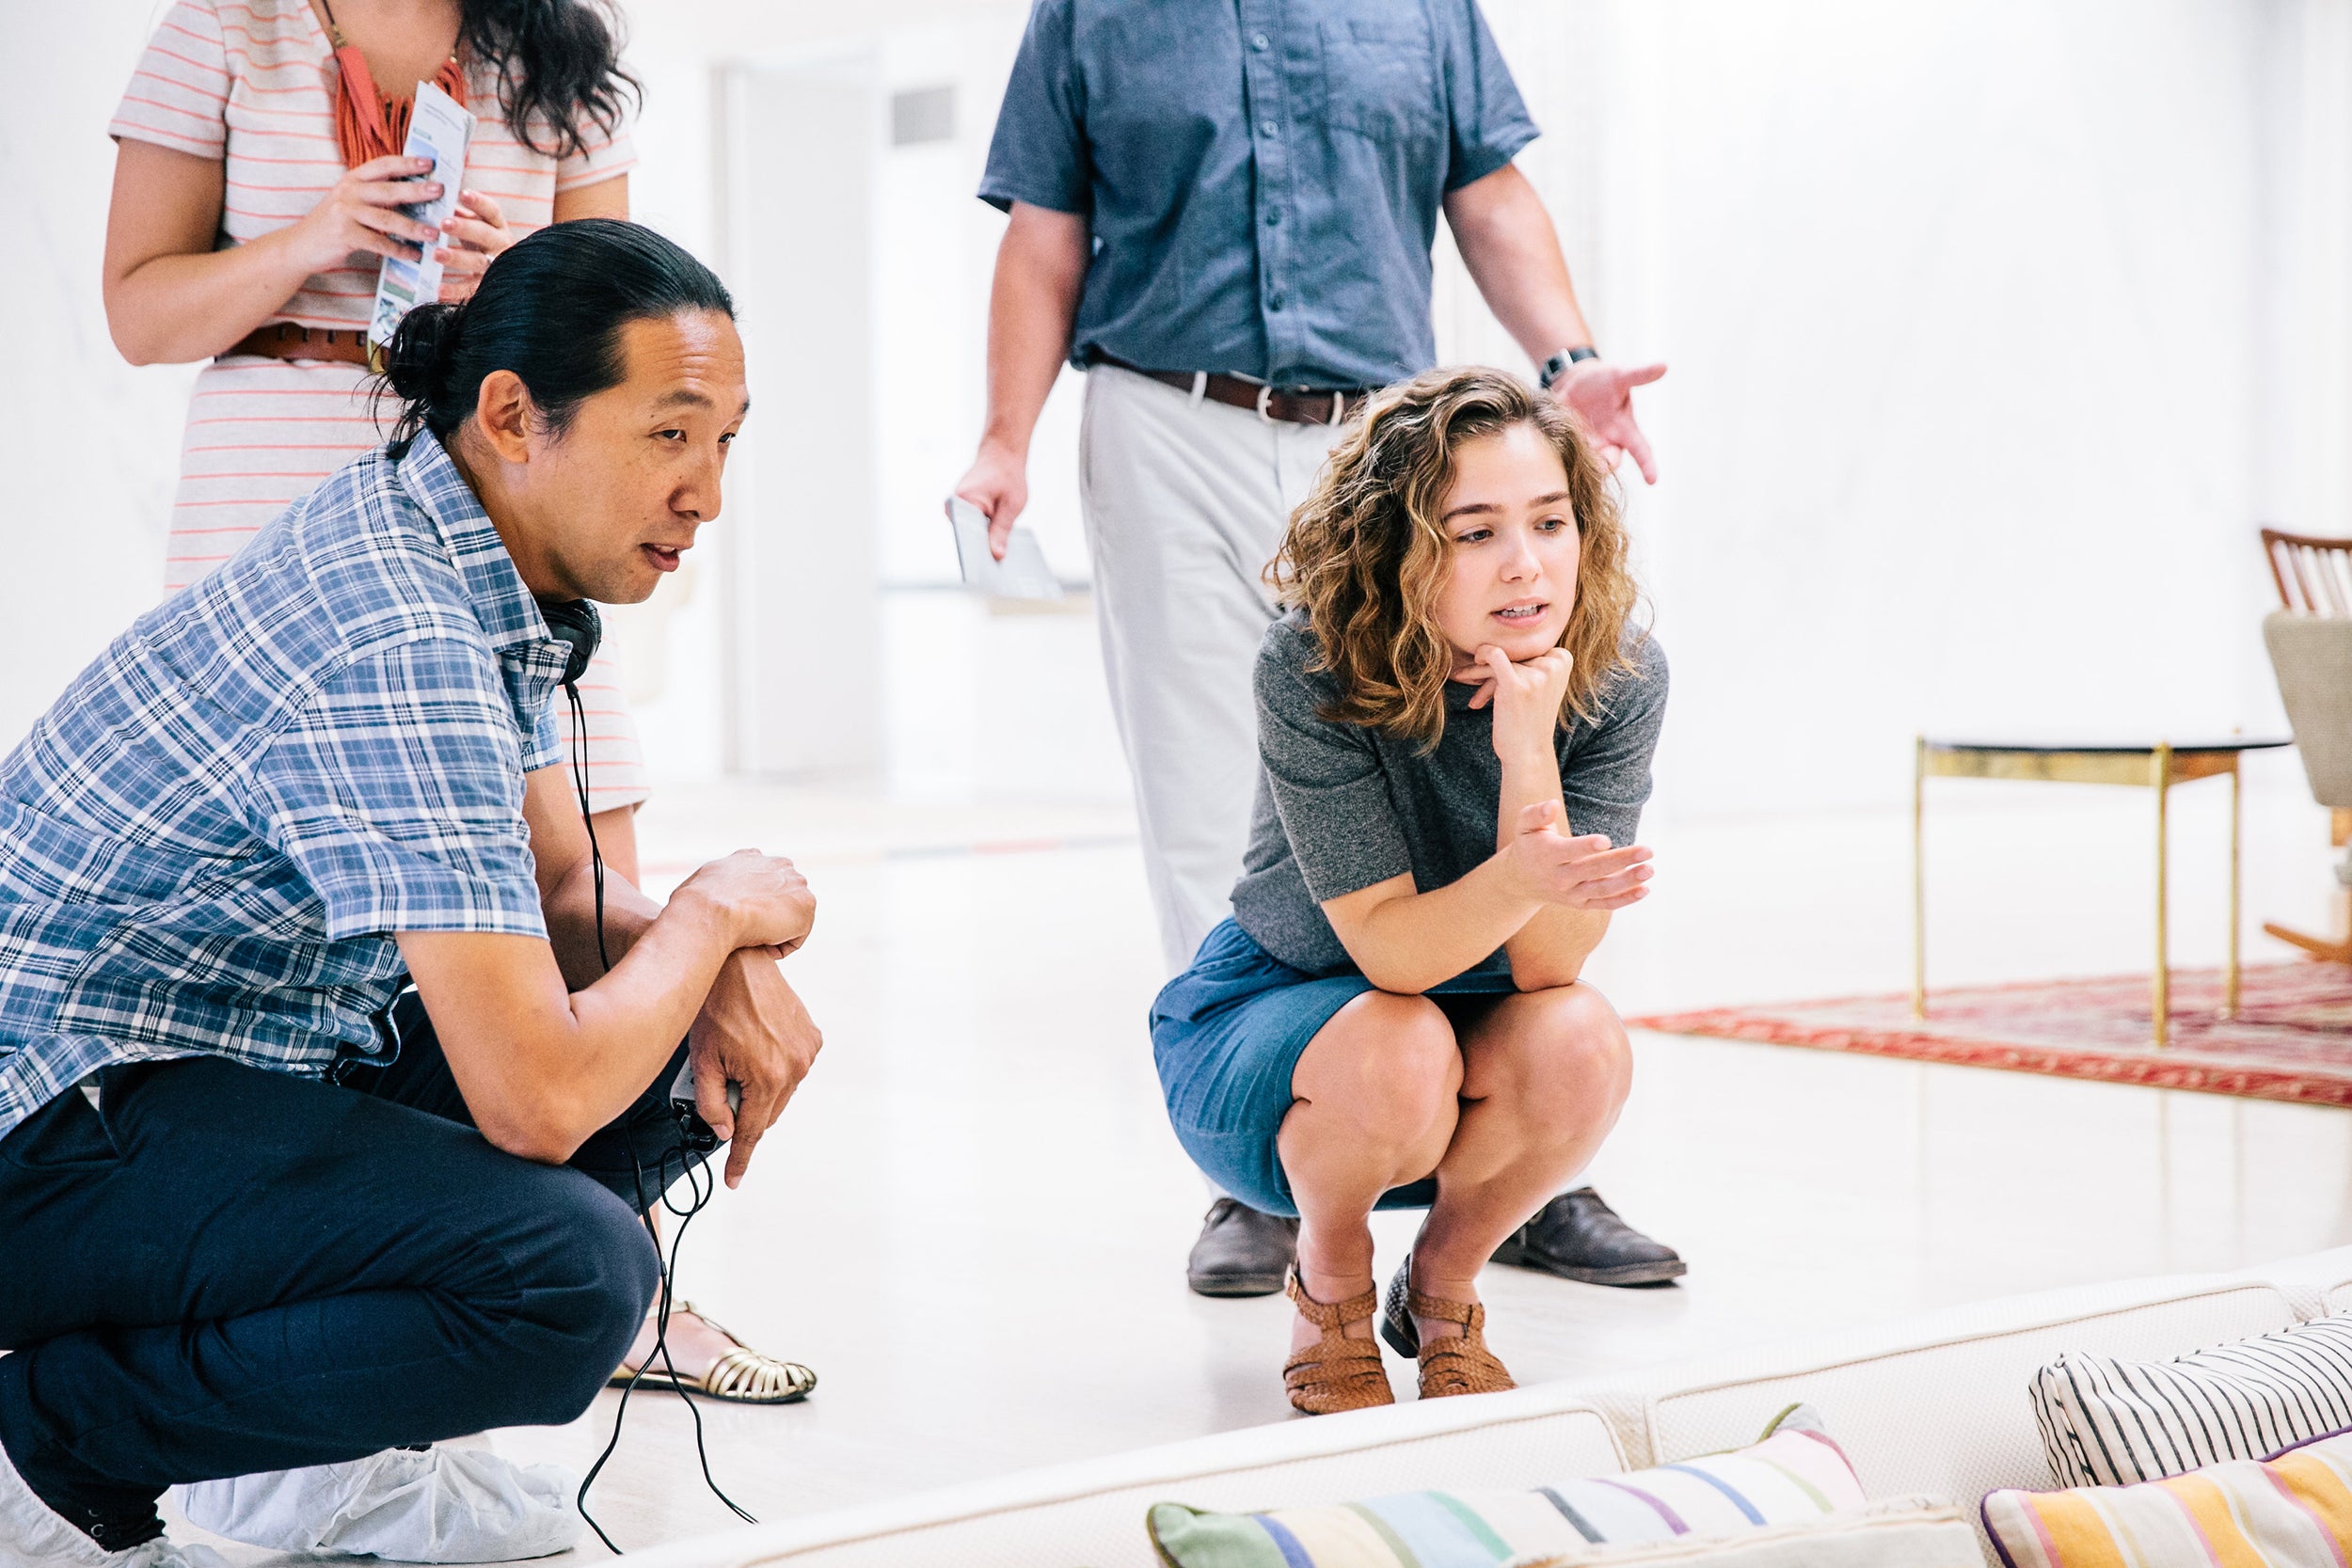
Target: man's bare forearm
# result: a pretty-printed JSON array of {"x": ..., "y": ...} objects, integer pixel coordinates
[
  {"x": 1513, "y": 254},
  {"x": 1041, "y": 268},
  {"x": 541, "y": 1065}
]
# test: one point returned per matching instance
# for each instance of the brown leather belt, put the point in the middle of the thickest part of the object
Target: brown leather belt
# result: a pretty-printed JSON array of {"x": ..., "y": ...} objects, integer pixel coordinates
[
  {"x": 285, "y": 341},
  {"x": 1292, "y": 405}
]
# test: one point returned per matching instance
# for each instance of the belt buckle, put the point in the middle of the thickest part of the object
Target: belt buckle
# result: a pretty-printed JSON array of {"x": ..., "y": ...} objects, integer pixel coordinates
[
  {"x": 376, "y": 351},
  {"x": 1265, "y": 396}
]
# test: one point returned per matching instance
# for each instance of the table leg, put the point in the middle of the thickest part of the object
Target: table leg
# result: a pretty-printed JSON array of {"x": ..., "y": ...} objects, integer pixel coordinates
[
  {"x": 2230, "y": 980},
  {"x": 1920, "y": 878},
  {"x": 2160, "y": 776}
]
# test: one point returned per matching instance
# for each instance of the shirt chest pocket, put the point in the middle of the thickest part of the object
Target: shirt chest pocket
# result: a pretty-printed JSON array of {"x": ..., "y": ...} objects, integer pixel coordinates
[{"x": 1380, "y": 75}]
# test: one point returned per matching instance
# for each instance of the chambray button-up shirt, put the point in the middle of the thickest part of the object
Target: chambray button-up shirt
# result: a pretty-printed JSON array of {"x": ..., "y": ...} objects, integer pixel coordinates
[
  {"x": 1262, "y": 177},
  {"x": 207, "y": 843}
]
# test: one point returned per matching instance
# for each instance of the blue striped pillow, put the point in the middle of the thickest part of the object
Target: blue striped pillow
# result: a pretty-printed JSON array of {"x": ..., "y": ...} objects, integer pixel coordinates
[{"x": 1796, "y": 1473}]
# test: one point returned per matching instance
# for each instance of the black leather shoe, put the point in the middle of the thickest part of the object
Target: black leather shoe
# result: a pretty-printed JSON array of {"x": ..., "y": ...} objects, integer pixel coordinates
[
  {"x": 1576, "y": 1236},
  {"x": 1240, "y": 1252}
]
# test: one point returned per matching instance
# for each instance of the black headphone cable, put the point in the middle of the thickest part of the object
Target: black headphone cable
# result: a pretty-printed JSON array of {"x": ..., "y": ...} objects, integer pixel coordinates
[{"x": 698, "y": 1180}]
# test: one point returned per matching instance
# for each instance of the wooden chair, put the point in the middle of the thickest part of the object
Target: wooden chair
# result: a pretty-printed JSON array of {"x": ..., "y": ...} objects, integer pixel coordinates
[
  {"x": 2314, "y": 576},
  {"x": 2311, "y": 650}
]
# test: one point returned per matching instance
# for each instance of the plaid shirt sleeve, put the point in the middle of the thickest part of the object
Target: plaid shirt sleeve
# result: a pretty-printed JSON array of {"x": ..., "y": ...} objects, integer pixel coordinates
[
  {"x": 397, "y": 793},
  {"x": 546, "y": 747}
]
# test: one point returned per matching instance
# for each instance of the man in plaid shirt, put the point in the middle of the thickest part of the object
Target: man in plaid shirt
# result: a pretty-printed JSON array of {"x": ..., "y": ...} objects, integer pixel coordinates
[{"x": 249, "y": 1227}]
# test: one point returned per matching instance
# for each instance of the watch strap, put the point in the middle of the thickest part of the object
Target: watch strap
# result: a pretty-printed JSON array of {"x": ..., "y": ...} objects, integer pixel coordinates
[{"x": 1558, "y": 364}]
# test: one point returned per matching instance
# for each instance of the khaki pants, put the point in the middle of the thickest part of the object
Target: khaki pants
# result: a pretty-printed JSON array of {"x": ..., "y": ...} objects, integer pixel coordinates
[{"x": 1186, "y": 501}]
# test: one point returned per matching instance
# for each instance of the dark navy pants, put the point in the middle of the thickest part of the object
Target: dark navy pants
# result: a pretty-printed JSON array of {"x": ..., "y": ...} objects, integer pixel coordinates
[{"x": 222, "y": 1270}]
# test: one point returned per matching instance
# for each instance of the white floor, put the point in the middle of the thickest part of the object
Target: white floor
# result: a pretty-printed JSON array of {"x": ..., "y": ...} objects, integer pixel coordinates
[{"x": 973, "y": 1221}]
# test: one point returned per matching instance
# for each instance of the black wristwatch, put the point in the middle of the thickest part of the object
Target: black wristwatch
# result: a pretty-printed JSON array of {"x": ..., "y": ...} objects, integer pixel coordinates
[{"x": 1558, "y": 364}]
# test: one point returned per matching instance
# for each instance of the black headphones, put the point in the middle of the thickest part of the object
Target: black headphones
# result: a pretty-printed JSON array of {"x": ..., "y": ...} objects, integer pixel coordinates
[{"x": 575, "y": 624}]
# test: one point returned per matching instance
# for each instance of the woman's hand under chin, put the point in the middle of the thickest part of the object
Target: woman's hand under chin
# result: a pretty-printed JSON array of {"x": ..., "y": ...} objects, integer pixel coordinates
[{"x": 1527, "y": 696}]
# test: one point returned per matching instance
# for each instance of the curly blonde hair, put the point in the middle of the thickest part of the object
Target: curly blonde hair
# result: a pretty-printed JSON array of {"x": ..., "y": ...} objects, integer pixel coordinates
[{"x": 1366, "y": 557}]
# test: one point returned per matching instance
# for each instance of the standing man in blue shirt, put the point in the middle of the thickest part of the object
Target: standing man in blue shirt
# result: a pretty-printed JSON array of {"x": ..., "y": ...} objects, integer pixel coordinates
[{"x": 1223, "y": 210}]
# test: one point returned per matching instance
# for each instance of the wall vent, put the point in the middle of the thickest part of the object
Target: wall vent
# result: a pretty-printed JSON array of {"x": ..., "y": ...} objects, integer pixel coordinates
[{"x": 921, "y": 115}]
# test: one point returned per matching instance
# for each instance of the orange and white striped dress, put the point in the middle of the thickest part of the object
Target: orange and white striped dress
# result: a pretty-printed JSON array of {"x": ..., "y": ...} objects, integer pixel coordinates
[{"x": 252, "y": 84}]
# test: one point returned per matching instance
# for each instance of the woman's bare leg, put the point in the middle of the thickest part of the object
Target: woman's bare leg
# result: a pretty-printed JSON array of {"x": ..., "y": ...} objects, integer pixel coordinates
[
  {"x": 1545, "y": 1073},
  {"x": 1375, "y": 1101},
  {"x": 616, "y": 841}
]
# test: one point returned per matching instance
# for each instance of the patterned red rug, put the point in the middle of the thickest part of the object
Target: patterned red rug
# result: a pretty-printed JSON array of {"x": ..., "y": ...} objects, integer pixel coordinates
[{"x": 2292, "y": 1039}]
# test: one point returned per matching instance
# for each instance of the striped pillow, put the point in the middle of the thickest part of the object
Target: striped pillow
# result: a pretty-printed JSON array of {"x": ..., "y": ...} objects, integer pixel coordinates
[
  {"x": 1796, "y": 1473},
  {"x": 2293, "y": 1511},
  {"x": 2113, "y": 1423}
]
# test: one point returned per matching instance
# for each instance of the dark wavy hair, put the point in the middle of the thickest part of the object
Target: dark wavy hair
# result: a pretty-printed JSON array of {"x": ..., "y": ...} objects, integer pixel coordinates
[
  {"x": 556, "y": 61},
  {"x": 551, "y": 308}
]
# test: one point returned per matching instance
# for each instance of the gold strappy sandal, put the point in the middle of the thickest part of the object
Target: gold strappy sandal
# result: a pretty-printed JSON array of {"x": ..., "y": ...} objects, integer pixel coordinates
[
  {"x": 1336, "y": 1372},
  {"x": 1452, "y": 1365},
  {"x": 742, "y": 1376}
]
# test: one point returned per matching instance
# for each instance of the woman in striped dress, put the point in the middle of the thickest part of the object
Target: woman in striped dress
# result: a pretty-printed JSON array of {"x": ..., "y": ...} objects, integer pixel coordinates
[
  {"x": 258, "y": 184},
  {"x": 237, "y": 207}
]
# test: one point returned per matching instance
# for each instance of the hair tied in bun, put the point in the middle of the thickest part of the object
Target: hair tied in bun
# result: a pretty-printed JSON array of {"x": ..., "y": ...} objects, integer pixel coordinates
[{"x": 424, "y": 350}]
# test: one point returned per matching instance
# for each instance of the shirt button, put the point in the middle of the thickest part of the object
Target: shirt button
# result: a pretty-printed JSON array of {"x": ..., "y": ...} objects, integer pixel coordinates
[
  {"x": 1267, "y": 127},
  {"x": 1274, "y": 303},
  {"x": 1260, "y": 41},
  {"x": 1274, "y": 218}
]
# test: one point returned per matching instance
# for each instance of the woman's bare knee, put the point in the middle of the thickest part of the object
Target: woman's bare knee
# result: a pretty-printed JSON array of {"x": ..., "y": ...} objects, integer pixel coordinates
[
  {"x": 1388, "y": 1063},
  {"x": 1558, "y": 1052}
]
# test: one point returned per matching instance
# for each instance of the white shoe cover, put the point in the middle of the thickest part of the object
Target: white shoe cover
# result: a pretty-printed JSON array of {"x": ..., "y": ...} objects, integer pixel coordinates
[
  {"x": 442, "y": 1505},
  {"x": 160, "y": 1553},
  {"x": 34, "y": 1536}
]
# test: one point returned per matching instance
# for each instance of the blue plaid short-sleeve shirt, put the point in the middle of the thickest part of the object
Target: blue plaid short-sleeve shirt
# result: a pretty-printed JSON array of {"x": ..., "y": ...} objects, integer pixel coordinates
[{"x": 208, "y": 841}]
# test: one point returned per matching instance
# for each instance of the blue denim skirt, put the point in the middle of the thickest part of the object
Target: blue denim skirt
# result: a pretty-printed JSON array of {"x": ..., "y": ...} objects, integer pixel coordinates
[{"x": 1227, "y": 1035}]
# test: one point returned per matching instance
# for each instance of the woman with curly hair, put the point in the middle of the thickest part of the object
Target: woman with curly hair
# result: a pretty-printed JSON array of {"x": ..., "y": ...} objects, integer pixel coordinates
[{"x": 1455, "y": 720}]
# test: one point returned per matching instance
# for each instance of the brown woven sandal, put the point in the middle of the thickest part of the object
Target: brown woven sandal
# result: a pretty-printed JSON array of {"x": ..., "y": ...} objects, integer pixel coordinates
[
  {"x": 1336, "y": 1372},
  {"x": 1454, "y": 1365}
]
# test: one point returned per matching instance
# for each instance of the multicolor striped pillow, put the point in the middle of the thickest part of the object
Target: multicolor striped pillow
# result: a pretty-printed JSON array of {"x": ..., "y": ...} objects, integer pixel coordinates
[
  {"x": 1796, "y": 1473},
  {"x": 2291, "y": 1510}
]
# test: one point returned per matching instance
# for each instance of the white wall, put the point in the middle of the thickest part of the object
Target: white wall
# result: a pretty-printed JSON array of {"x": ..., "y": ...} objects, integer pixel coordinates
[
  {"x": 932, "y": 246},
  {"x": 798, "y": 549},
  {"x": 89, "y": 448},
  {"x": 1994, "y": 325},
  {"x": 1975, "y": 395}
]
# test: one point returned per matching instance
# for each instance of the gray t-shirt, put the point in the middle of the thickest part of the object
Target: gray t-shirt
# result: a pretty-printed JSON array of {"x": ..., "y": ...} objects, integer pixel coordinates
[{"x": 1340, "y": 806}]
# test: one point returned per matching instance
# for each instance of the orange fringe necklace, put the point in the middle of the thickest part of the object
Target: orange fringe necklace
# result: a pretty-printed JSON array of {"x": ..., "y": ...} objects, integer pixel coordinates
[{"x": 368, "y": 123}]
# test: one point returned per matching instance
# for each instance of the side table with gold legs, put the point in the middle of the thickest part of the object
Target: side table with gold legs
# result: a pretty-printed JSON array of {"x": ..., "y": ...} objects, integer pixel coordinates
[{"x": 2155, "y": 764}]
